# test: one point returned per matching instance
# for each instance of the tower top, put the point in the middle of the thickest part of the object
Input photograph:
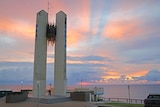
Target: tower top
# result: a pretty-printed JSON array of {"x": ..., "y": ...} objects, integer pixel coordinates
[
  {"x": 42, "y": 11},
  {"x": 61, "y": 12}
]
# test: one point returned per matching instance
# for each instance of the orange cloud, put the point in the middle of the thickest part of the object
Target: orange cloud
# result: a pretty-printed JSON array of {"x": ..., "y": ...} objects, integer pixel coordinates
[
  {"x": 110, "y": 74},
  {"x": 121, "y": 29},
  {"x": 18, "y": 36},
  {"x": 17, "y": 27},
  {"x": 138, "y": 73},
  {"x": 74, "y": 37}
]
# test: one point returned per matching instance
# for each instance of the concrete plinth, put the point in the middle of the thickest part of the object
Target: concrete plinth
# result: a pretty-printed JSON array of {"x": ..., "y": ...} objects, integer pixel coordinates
[{"x": 39, "y": 78}]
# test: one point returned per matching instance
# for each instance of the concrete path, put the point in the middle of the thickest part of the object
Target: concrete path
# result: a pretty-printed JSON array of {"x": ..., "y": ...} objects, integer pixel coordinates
[{"x": 34, "y": 104}]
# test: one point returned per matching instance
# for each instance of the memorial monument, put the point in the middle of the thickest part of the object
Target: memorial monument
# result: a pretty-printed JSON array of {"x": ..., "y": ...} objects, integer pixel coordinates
[{"x": 54, "y": 34}]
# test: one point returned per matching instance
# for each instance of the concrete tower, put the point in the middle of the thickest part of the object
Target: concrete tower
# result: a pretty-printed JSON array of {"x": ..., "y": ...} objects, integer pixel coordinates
[
  {"x": 60, "y": 55},
  {"x": 39, "y": 79},
  {"x": 57, "y": 35}
]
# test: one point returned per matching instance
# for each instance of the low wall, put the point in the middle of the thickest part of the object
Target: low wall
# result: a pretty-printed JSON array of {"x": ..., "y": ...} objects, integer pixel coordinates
[
  {"x": 17, "y": 96},
  {"x": 80, "y": 96},
  {"x": 4, "y": 93}
]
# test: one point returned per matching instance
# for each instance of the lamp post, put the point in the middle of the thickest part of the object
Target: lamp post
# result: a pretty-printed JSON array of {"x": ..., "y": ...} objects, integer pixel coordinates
[
  {"x": 81, "y": 83},
  {"x": 129, "y": 94},
  {"x": 22, "y": 85},
  {"x": 38, "y": 85}
]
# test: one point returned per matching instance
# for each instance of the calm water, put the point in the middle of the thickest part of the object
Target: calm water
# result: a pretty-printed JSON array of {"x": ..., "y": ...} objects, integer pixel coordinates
[
  {"x": 136, "y": 91},
  {"x": 111, "y": 91}
]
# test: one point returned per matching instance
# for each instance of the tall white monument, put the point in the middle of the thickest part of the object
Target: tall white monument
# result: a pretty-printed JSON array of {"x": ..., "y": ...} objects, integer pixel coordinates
[
  {"x": 60, "y": 55},
  {"x": 54, "y": 34},
  {"x": 39, "y": 80}
]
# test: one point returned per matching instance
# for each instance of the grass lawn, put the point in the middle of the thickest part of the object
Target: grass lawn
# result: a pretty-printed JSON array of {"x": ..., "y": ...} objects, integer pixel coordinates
[{"x": 124, "y": 104}]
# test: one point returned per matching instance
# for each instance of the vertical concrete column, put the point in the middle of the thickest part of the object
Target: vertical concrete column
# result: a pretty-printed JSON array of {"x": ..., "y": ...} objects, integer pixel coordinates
[
  {"x": 60, "y": 55},
  {"x": 39, "y": 76}
]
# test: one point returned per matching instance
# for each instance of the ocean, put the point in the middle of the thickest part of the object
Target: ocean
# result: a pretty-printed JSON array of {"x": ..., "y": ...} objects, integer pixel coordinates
[
  {"x": 136, "y": 91},
  {"x": 110, "y": 91}
]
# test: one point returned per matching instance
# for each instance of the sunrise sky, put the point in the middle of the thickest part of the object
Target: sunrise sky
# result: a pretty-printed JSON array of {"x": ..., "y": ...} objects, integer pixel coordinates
[{"x": 108, "y": 41}]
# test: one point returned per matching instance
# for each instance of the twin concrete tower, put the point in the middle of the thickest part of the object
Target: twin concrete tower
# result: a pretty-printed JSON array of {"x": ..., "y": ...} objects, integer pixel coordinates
[{"x": 55, "y": 34}]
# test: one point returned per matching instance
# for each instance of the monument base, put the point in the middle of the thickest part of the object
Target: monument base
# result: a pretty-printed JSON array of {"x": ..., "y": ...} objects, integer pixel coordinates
[{"x": 49, "y": 99}]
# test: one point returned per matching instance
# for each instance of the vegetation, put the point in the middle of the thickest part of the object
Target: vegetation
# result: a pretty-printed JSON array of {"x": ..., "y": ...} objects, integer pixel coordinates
[{"x": 124, "y": 104}]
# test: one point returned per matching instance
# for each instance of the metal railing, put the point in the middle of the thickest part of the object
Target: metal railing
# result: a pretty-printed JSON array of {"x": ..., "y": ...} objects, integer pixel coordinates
[{"x": 125, "y": 100}]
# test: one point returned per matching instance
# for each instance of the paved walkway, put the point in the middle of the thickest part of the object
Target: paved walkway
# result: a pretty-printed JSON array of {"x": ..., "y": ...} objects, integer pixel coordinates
[
  {"x": 63, "y": 104},
  {"x": 34, "y": 104}
]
